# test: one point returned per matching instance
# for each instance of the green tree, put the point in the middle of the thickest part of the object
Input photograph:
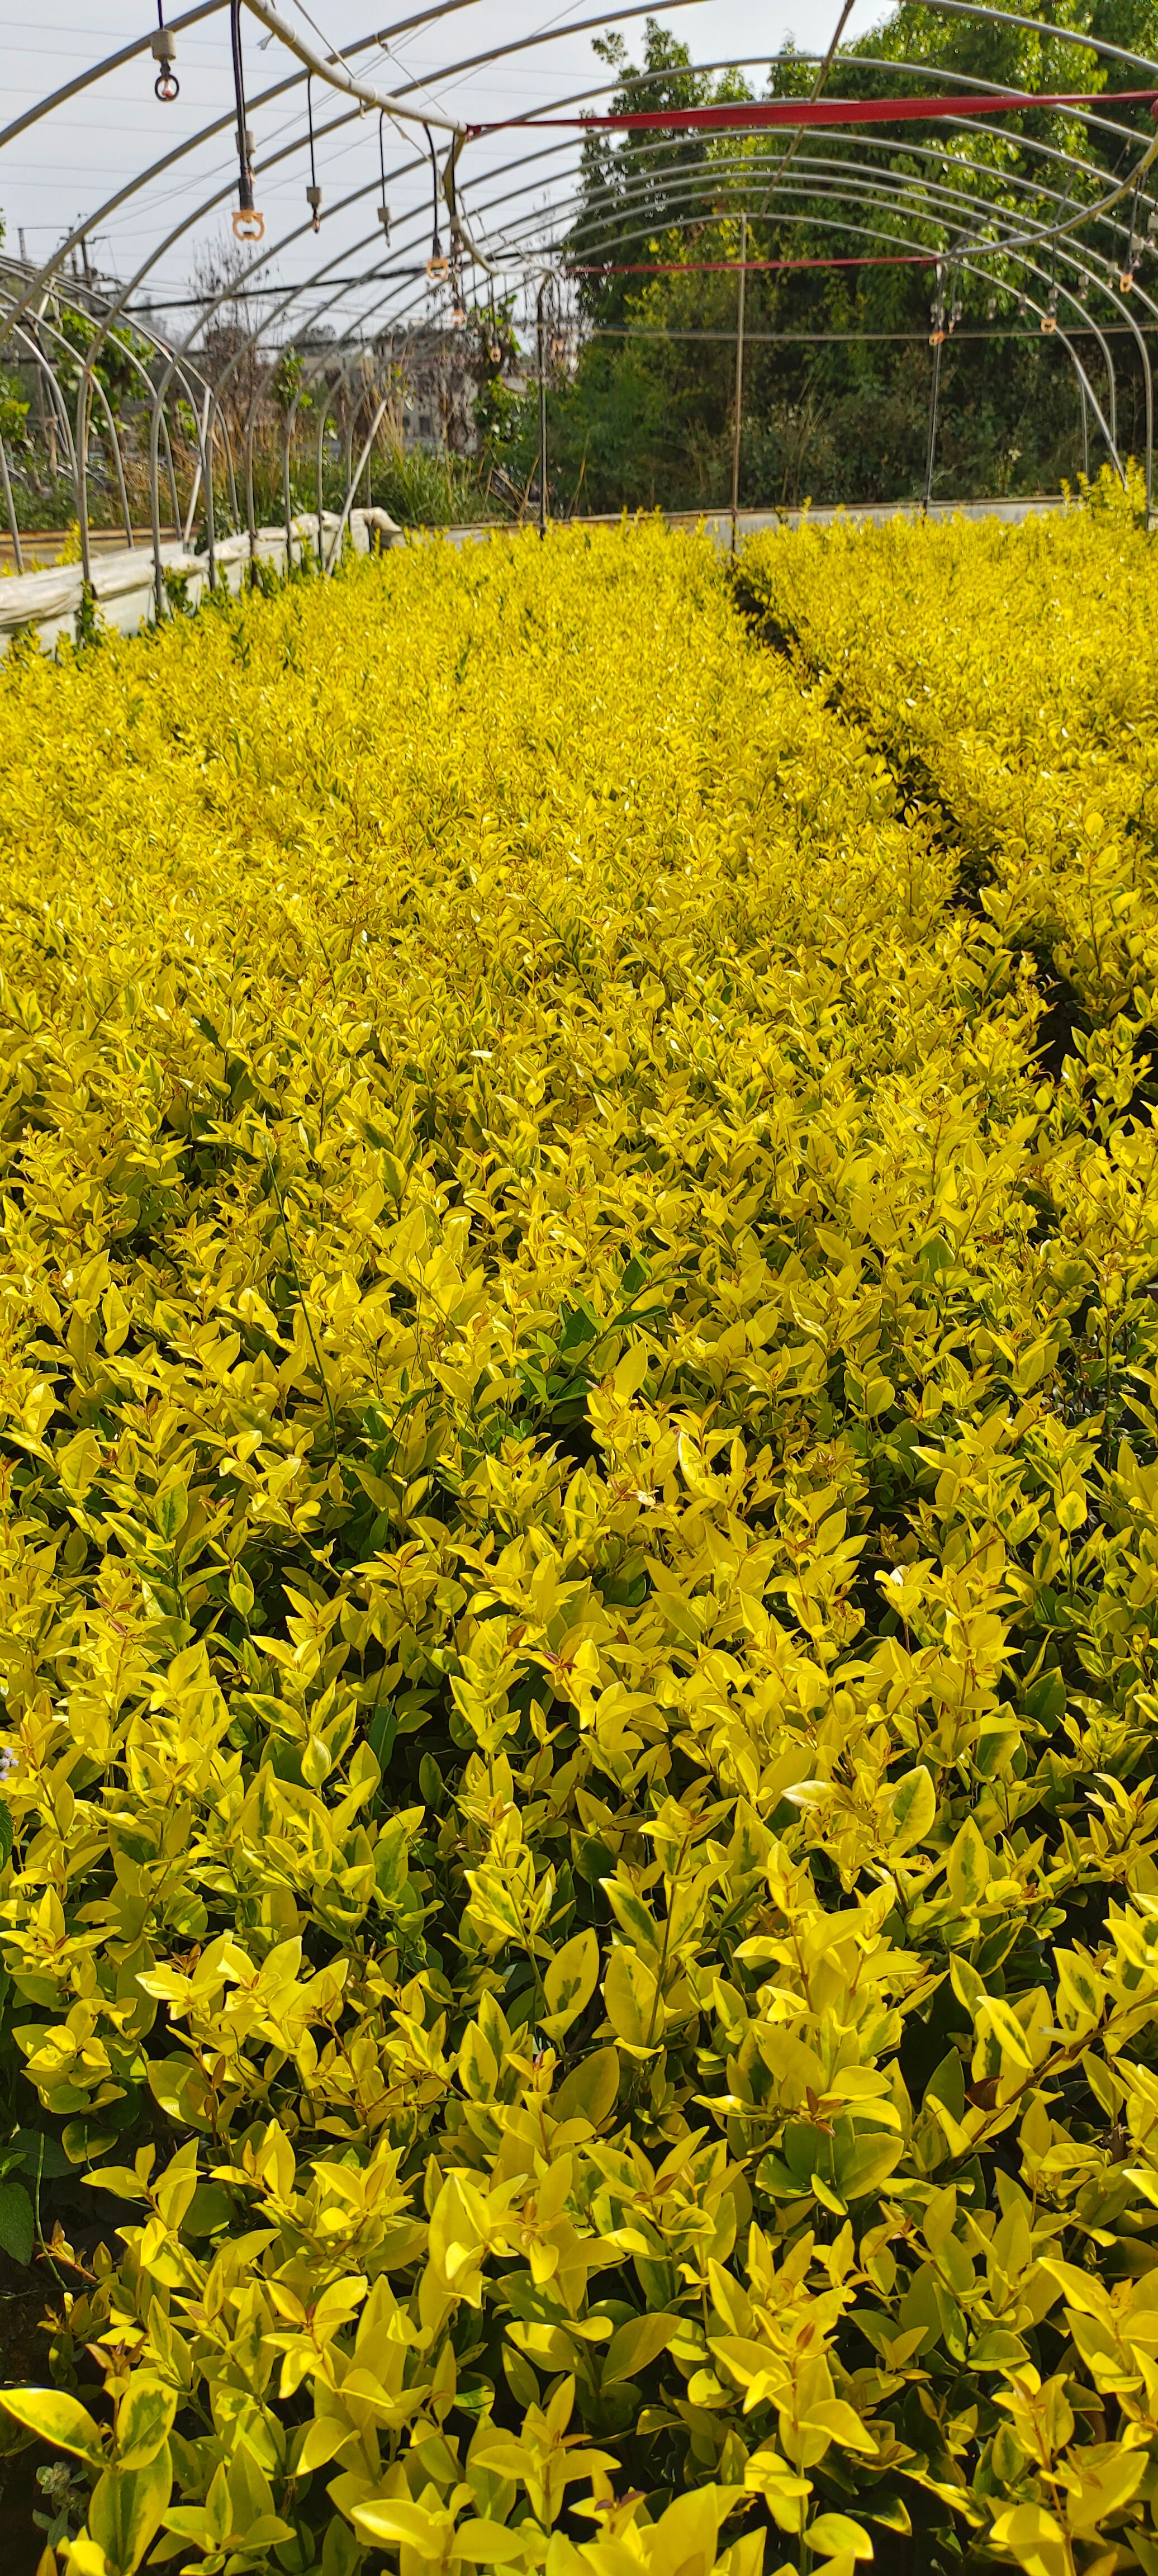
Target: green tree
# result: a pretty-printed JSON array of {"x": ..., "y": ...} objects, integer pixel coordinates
[{"x": 837, "y": 362}]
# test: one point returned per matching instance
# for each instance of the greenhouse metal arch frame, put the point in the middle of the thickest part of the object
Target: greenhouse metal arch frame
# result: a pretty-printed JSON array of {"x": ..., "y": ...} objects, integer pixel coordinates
[
  {"x": 862, "y": 187},
  {"x": 961, "y": 7},
  {"x": 509, "y": 241},
  {"x": 1108, "y": 351}
]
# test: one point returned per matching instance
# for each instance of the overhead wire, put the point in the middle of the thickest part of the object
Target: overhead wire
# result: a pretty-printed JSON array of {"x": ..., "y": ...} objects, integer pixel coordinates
[{"x": 313, "y": 192}]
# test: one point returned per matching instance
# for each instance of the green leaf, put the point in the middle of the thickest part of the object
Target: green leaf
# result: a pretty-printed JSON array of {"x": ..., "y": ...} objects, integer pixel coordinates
[
  {"x": 638, "y": 2343},
  {"x": 589, "y": 2092},
  {"x": 862, "y": 2167},
  {"x": 947, "y": 2084},
  {"x": 41, "y": 2154},
  {"x": 241, "y": 1592},
  {"x": 17, "y": 2222}
]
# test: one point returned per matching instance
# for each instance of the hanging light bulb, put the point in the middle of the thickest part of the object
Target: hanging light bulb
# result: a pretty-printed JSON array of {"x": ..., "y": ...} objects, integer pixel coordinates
[
  {"x": 937, "y": 323},
  {"x": 1049, "y": 317},
  {"x": 384, "y": 220},
  {"x": 163, "y": 47},
  {"x": 1130, "y": 270}
]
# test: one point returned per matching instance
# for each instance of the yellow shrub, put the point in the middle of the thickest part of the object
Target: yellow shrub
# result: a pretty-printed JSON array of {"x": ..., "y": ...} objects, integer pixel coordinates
[{"x": 579, "y": 1569}]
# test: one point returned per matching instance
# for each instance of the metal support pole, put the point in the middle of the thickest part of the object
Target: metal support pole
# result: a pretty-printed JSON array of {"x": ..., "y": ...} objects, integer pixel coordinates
[
  {"x": 542, "y": 409},
  {"x": 210, "y": 502},
  {"x": 80, "y": 476},
  {"x": 10, "y": 506},
  {"x": 936, "y": 387},
  {"x": 287, "y": 431},
  {"x": 186, "y": 532},
  {"x": 160, "y": 596},
  {"x": 1085, "y": 434},
  {"x": 739, "y": 403},
  {"x": 250, "y": 513},
  {"x": 351, "y": 488}
]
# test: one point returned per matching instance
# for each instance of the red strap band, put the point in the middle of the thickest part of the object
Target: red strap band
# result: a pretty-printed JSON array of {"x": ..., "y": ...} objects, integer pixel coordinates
[{"x": 743, "y": 116}]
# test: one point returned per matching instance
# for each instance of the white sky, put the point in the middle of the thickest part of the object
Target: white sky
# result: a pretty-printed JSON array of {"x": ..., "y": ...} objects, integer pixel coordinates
[{"x": 62, "y": 170}]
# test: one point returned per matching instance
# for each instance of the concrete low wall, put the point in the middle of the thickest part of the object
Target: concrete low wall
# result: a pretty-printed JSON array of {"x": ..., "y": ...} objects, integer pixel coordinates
[
  {"x": 48, "y": 605},
  {"x": 751, "y": 523}
]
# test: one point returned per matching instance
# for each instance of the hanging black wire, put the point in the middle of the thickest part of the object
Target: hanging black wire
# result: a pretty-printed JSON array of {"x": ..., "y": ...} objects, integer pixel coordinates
[
  {"x": 383, "y": 210},
  {"x": 437, "y": 263},
  {"x": 458, "y": 299},
  {"x": 313, "y": 192},
  {"x": 245, "y": 204}
]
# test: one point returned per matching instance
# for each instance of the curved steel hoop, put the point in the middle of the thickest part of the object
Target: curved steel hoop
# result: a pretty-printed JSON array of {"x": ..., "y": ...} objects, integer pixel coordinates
[{"x": 996, "y": 216}]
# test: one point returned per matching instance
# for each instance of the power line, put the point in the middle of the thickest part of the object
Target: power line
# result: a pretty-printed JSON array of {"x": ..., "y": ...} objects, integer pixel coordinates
[{"x": 250, "y": 294}]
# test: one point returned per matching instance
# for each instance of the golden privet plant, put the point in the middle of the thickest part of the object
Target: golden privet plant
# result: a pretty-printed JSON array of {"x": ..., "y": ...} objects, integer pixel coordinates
[{"x": 580, "y": 1566}]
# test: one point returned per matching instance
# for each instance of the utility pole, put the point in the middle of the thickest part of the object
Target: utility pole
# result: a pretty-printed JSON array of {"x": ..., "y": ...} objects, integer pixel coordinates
[
  {"x": 936, "y": 387},
  {"x": 542, "y": 408},
  {"x": 739, "y": 374},
  {"x": 937, "y": 342}
]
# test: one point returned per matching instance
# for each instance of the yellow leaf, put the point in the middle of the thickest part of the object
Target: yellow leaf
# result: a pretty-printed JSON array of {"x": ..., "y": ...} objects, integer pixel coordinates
[
  {"x": 632, "y": 1997},
  {"x": 569, "y": 1983}
]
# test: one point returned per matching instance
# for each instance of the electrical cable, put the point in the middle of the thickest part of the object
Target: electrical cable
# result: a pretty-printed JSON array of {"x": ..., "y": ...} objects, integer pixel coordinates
[
  {"x": 383, "y": 208},
  {"x": 313, "y": 192},
  {"x": 727, "y": 267},
  {"x": 437, "y": 264},
  {"x": 248, "y": 224}
]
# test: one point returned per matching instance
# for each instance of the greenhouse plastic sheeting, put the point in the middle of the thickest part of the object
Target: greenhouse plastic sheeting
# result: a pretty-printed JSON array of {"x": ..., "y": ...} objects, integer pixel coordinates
[
  {"x": 43, "y": 602},
  {"x": 46, "y": 604},
  {"x": 124, "y": 583}
]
